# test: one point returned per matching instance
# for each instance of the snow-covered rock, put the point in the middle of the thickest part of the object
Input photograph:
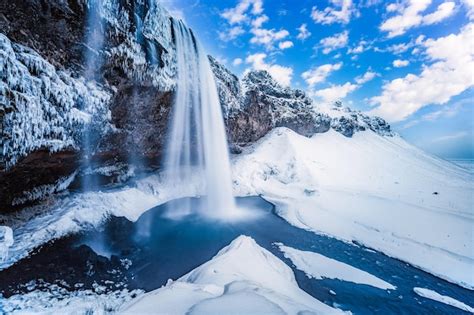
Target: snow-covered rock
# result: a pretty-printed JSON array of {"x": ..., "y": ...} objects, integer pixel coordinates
[
  {"x": 379, "y": 191},
  {"x": 6, "y": 241},
  {"x": 41, "y": 107},
  {"x": 243, "y": 278}
]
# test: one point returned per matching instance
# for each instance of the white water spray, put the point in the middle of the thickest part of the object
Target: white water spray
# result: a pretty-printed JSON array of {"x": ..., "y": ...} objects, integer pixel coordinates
[{"x": 197, "y": 144}]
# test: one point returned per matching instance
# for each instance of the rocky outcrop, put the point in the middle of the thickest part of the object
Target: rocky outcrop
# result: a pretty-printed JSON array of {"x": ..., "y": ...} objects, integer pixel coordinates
[{"x": 51, "y": 93}]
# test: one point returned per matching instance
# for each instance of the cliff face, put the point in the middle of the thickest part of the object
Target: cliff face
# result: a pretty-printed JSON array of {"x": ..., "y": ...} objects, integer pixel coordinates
[{"x": 48, "y": 98}]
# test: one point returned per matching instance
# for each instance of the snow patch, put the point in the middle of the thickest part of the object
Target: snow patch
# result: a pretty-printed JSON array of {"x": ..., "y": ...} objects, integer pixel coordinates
[
  {"x": 318, "y": 266},
  {"x": 433, "y": 295},
  {"x": 242, "y": 278},
  {"x": 379, "y": 191}
]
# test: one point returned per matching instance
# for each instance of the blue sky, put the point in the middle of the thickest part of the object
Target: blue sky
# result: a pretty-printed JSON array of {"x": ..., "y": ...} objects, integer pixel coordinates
[{"x": 410, "y": 62}]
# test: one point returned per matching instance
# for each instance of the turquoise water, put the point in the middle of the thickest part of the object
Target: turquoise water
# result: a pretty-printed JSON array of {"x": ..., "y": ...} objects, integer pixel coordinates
[{"x": 146, "y": 253}]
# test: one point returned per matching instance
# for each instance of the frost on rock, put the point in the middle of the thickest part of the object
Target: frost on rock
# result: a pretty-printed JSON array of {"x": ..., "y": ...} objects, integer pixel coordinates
[
  {"x": 6, "y": 241},
  {"x": 141, "y": 41},
  {"x": 347, "y": 121},
  {"x": 40, "y": 107},
  {"x": 257, "y": 103}
]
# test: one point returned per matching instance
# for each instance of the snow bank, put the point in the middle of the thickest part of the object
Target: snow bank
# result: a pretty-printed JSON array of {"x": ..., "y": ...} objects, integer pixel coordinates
[
  {"x": 433, "y": 295},
  {"x": 61, "y": 301},
  {"x": 242, "y": 278},
  {"x": 318, "y": 266},
  {"x": 379, "y": 191}
]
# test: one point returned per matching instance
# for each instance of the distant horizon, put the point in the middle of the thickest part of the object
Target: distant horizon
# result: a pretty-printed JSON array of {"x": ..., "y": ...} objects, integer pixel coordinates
[{"x": 386, "y": 58}]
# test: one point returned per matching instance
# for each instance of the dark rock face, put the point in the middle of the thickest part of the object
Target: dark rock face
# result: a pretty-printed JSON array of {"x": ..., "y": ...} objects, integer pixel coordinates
[
  {"x": 43, "y": 44},
  {"x": 258, "y": 104},
  {"x": 53, "y": 28}
]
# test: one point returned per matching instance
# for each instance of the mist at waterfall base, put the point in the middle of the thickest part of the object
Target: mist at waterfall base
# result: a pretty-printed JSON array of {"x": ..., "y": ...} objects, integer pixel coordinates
[
  {"x": 147, "y": 253},
  {"x": 197, "y": 146}
]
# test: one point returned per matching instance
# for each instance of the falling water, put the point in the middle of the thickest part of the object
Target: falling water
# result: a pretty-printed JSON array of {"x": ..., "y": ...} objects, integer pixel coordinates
[
  {"x": 94, "y": 42},
  {"x": 197, "y": 145}
]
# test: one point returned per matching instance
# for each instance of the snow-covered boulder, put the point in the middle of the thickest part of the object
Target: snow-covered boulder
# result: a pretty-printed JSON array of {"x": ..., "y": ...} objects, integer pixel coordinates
[{"x": 243, "y": 278}]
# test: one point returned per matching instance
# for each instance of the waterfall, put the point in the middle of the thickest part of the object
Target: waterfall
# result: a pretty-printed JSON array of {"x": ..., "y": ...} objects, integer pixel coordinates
[
  {"x": 197, "y": 144},
  {"x": 94, "y": 42}
]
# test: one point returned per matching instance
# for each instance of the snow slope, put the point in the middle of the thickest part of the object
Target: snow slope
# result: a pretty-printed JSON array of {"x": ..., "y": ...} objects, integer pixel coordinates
[
  {"x": 433, "y": 295},
  {"x": 317, "y": 266},
  {"x": 379, "y": 191},
  {"x": 243, "y": 278}
]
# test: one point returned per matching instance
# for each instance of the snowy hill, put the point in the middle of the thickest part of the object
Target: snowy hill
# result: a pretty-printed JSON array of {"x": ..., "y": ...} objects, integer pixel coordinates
[
  {"x": 243, "y": 278},
  {"x": 378, "y": 191}
]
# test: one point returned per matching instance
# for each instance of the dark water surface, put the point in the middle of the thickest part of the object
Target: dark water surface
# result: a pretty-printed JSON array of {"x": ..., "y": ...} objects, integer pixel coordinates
[{"x": 145, "y": 254}]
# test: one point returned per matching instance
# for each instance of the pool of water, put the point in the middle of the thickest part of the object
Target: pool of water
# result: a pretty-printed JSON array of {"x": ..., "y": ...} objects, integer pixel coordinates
[{"x": 162, "y": 245}]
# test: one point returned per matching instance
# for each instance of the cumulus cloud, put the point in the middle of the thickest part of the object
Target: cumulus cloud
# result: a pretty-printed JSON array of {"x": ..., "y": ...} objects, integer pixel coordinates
[
  {"x": 339, "y": 12},
  {"x": 285, "y": 45},
  {"x": 281, "y": 74},
  {"x": 303, "y": 32},
  {"x": 267, "y": 37},
  {"x": 249, "y": 14},
  {"x": 336, "y": 92},
  {"x": 231, "y": 34},
  {"x": 398, "y": 63},
  {"x": 443, "y": 11},
  {"x": 449, "y": 74},
  {"x": 239, "y": 13},
  {"x": 366, "y": 77},
  {"x": 334, "y": 42},
  {"x": 410, "y": 14},
  {"x": 319, "y": 74},
  {"x": 359, "y": 48},
  {"x": 237, "y": 61}
]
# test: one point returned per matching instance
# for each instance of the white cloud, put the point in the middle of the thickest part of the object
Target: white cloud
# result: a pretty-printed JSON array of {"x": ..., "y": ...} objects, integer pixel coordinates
[
  {"x": 443, "y": 11},
  {"x": 340, "y": 12},
  {"x": 231, "y": 33},
  {"x": 258, "y": 22},
  {"x": 400, "y": 63},
  {"x": 366, "y": 77},
  {"x": 285, "y": 45},
  {"x": 336, "y": 92},
  {"x": 281, "y": 74},
  {"x": 303, "y": 32},
  {"x": 319, "y": 74},
  {"x": 469, "y": 5},
  {"x": 238, "y": 14},
  {"x": 267, "y": 37},
  {"x": 449, "y": 74},
  {"x": 334, "y": 42},
  {"x": 237, "y": 61},
  {"x": 410, "y": 15},
  {"x": 399, "y": 48},
  {"x": 456, "y": 136}
]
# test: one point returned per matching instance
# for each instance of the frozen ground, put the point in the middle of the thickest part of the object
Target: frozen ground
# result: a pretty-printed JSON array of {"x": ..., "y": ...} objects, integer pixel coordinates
[
  {"x": 318, "y": 266},
  {"x": 243, "y": 278},
  {"x": 378, "y": 191}
]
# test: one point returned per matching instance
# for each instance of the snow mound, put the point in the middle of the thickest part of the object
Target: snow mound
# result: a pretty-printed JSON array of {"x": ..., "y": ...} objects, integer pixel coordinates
[
  {"x": 242, "y": 278},
  {"x": 379, "y": 191},
  {"x": 318, "y": 266},
  {"x": 433, "y": 295}
]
